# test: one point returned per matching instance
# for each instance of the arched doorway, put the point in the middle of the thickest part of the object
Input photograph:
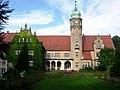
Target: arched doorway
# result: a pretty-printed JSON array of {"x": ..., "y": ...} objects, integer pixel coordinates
[
  {"x": 53, "y": 65},
  {"x": 47, "y": 65},
  {"x": 67, "y": 65},
  {"x": 58, "y": 65}
]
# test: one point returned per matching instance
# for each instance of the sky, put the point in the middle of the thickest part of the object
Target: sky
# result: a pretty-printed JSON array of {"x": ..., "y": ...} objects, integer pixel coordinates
[{"x": 52, "y": 17}]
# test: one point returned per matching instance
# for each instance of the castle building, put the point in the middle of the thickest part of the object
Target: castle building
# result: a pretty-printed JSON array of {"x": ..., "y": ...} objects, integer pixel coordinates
[{"x": 71, "y": 52}]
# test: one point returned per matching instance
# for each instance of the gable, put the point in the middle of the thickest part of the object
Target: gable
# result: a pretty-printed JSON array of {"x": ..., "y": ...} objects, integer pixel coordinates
[{"x": 88, "y": 41}]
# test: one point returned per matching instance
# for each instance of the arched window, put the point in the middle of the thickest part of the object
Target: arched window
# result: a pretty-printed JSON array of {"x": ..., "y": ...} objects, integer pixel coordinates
[
  {"x": 76, "y": 45},
  {"x": 76, "y": 23}
]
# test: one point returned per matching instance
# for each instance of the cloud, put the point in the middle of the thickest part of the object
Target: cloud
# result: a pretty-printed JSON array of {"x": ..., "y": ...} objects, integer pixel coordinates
[
  {"x": 102, "y": 17},
  {"x": 64, "y": 6},
  {"x": 99, "y": 17},
  {"x": 61, "y": 29},
  {"x": 32, "y": 17}
]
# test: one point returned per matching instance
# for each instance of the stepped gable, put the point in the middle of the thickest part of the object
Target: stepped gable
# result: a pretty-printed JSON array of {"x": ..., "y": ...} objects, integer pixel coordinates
[{"x": 89, "y": 40}]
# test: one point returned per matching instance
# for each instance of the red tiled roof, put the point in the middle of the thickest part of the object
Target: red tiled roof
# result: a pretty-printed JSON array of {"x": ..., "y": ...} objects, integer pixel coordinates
[
  {"x": 86, "y": 55},
  {"x": 89, "y": 40},
  {"x": 63, "y": 42},
  {"x": 55, "y": 42},
  {"x": 8, "y": 37}
]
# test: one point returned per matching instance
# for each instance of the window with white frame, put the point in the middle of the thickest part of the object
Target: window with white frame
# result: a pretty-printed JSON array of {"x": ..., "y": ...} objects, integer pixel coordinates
[
  {"x": 26, "y": 39},
  {"x": 66, "y": 55},
  {"x": 30, "y": 63},
  {"x": 17, "y": 52},
  {"x": 57, "y": 55},
  {"x": 31, "y": 52},
  {"x": 48, "y": 55},
  {"x": 23, "y": 39}
]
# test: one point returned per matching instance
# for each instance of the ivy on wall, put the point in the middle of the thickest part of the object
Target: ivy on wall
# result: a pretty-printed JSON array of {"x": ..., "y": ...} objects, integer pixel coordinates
[{"x": 20, "y": 39}]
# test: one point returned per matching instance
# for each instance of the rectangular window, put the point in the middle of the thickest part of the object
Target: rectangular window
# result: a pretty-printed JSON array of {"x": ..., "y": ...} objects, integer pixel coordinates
[
  {"x": 26, "y": 39},
  {"x": 31, "y": 52},
  {"x": 3, "y": 63},
  {"x": 97, "y": 54},
  {"x": 57, "y": 55},
  {"x": 67, "y": 55},
  {"x": 31, "y": 63},
  {"x": 48, "y": 55},
  {"x": 17, "y": 52}
]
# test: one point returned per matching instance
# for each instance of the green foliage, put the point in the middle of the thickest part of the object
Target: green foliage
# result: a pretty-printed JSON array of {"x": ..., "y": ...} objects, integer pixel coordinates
[
  {"x": 4, "y": 11},
  {"x": 87, "y": 69},
  {"x": 115, "y": 70},
  {"x": 23, "y": 60},
  {"x": 107, "y": 58},
  {"x": 116, "y": 41},
  {"x": 72, "y": 82}
]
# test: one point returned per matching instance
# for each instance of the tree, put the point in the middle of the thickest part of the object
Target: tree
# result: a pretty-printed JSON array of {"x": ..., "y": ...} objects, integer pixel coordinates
[
  {"x": 107, "y": 58},
  {"x": 116, "y": 41},
  {"x": 4, "y": 11},
  {"x": 115, "y": 70}
]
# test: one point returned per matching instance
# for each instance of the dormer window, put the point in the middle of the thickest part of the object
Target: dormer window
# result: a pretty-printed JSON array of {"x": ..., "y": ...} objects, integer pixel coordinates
[
  {"x": 23, "y": 39},
  {"x": 98, "y": 45},
  {"x": 26, "y": 39}
]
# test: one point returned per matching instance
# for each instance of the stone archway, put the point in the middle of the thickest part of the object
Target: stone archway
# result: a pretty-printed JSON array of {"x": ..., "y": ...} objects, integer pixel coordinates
[
  {"x": 47, "y": 65},
  {"x": 53, "y": 65},
  {"x": 67, "y": 65},
  {"x": 58, "y": 65}
]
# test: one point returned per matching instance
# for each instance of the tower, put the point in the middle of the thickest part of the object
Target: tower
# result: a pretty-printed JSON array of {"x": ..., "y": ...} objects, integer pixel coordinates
[{"x": 76, "y": 38}]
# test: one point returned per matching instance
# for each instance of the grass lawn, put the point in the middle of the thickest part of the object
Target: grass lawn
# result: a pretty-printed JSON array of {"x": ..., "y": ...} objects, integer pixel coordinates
[{"x": 72, "y": 82}]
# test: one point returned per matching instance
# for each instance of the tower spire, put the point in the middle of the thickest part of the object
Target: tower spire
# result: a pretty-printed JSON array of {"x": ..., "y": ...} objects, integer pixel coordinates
[
  {"x": 75, "y": 6},
  {"x": 25, "y": 25}
]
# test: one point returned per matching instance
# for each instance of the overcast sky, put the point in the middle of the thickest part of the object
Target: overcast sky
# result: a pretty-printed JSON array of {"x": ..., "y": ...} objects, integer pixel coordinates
[{"x": 51, "y": 17}]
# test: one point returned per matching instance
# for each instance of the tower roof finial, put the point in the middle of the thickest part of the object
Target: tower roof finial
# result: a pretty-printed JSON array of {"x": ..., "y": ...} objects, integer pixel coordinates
[
  {"x": 25, "y": 25},
  {"x": 75, "y": 6}
]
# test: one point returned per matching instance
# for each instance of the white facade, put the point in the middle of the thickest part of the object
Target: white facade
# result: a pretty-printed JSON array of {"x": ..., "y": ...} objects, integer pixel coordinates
[{"x": 3, "y": 66}]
